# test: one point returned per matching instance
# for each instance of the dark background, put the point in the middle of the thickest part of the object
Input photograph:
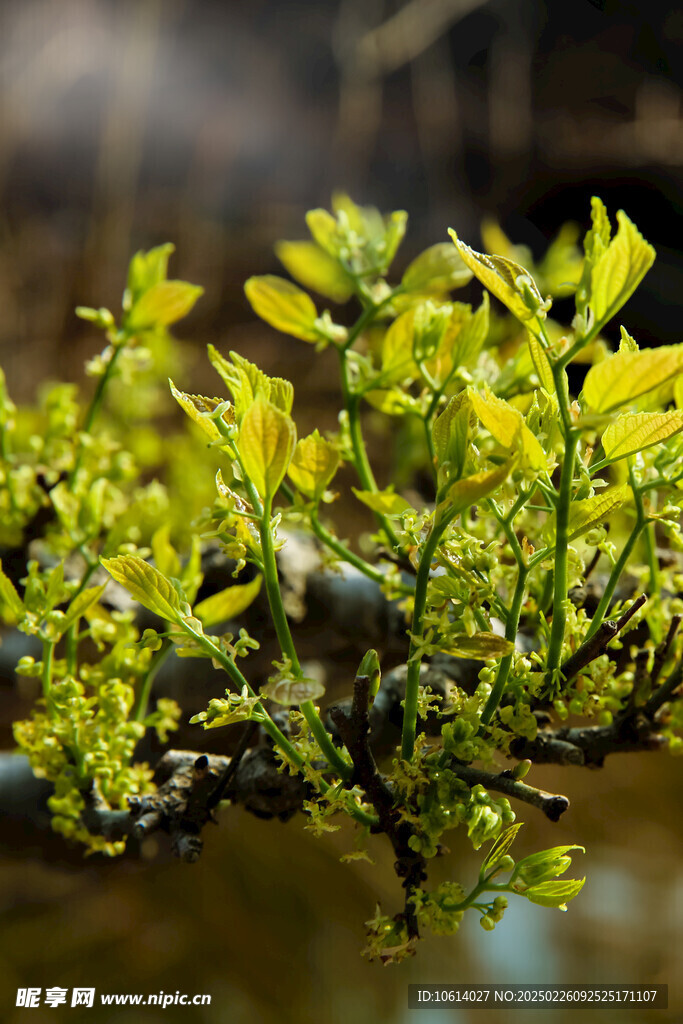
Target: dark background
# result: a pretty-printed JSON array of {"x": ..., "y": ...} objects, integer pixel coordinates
[{"x": 216, "y": 125}]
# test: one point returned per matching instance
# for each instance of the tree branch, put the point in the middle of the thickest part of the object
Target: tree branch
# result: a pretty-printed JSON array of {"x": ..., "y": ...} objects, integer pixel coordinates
[{"x": 553, "y": 805}]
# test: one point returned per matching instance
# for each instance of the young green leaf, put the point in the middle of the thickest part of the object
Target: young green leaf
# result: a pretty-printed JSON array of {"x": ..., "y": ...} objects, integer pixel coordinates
[
  {"x": 162, "y": 305},
  {"x": 397, "y": 350},
  {"x": 202, "y": 411},
  {"x": 228, "y": 603},
  {"x": 370, "y": 669},
  {"x": 438, "y": 269},
  {"x": 619, "y": 270},
  {"x": 266, "y": 443},
  {"x": 147, "y": 269},
  {"x": 385, "y": 502},
  {"x": 507, "y": 425},
  {"x": 314, "y": 268},
  {"x": 290, "y": 691},
  {"x": 450, "y": 433},
  {"x": 546, "y": 864},
  {"x": 146, "y": 584},
  {"x": 9, "y": 598},
  {"x": 541, "y": 363},
  {"x": 508, "y": 281},
  {"x": 633, "y": 432},
  {"x": 313, "y": 465},
  {"x": 589, "y": 512},
  {"x": 626, "y": 376},
  {"x": 500, "y": 848},
  {"x": 472, "y": 489},
  {"x": 480, "y": 645},
  {"x": 165, "y": 556},
  {"x": 555, "y": 894},
  {"x": 80, "y": 605},
  {"x": 284, "y": 306}
]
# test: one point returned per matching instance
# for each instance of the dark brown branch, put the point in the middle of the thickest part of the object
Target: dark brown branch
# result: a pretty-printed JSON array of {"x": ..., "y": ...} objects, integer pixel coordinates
[
  {"x": 593, "y": 648},
  {"x": 353, "y": 729},
  {"x": 665, "y": 691},
  {"x": 553, "y": 805},
  {"x": 662, "y": 649},
  {"x": 589, "y": 746}
]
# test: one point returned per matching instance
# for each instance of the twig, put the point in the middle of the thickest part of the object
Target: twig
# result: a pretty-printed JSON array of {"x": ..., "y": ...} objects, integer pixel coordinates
[
  {"x": 662, "y": 649},
  {"x": 353, "y": 730},
  {"x": 596, "y": 645},
  {"x": 553, "y": 805},
  {"x": 663, "y": 692}
]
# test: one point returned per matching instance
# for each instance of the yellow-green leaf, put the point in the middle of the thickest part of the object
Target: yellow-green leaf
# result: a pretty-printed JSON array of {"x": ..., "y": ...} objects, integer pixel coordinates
[
  {"x": 590, "y": 512},
  {"x": 201, "y": 410},
  {"x": 481, "y": 645},
  {"x": 266, "y": 442},
  {"x": 438, "y": 269},
  {"x": 541, "y": 363},
  {"x": 163, "y": 304},
  {"x": 165, "y": 555},
  {"x": 500, "y": 848},
  {"x": 508, "y": 281},
  {"x": 619, "y": 270},
  {"x": 397, "y": 350},
  {"x": 245, "y": 381},
  {"x": 507, "y": 425},
  {"x": 313, "y": 465},
  {"x": 316, "y": 269},
  {"x": 228, "y": 603},
  {"x": 284, "y": 306},
  {"x": 392, "y": 402},
  {"x": 80, "y": 605},
  {"x": 555, "y": 893},
  {"x": 450, "y": 430},
  {"x": 323, "y": 227},
  {"x": 472, "y": 489},
  {"x": 626, "y": 375},
  {"x": 9, "y": 598},
  {"x": 386, "y": 502},
  {"x": 146, "y": 584},
  {"x": 632, "y": 432}
]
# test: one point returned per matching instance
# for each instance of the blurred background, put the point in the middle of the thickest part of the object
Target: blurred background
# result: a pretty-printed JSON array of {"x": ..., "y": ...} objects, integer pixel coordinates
[{"x": 126, "y": 123}]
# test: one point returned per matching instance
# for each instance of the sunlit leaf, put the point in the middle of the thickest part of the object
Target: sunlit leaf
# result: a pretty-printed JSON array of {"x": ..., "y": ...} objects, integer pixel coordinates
[
  {"x": 632, "y": 432},
  {"x": 450, "y": 433},
  {"x": 481, "y": 645},
  {"x": 385, "y": 502},
  {"x": 163, "y": 304},
  {"x": 314, "y": 268},
  {"x": 500, "y": 848},
  {"x": 228, "y": 603},
  {"x": 619, "y": 270},
  {"x": 9, "y": 598},
  {"x": 284, "y": 306},
  {"x": 146, "y": 584},
  {"x": 201, "y": 410},
  {"x": 266, "y": 443},
  {"x": 556, "y": 893},
  {"x": 470, "y": 491},
  {"x": 507, "y": 425},
  {"x": 625, "y": 376},
  {"x": 438, "y": 269},
  {"x": 80, "y": 604},
  {"x": 313, "y": 465}
]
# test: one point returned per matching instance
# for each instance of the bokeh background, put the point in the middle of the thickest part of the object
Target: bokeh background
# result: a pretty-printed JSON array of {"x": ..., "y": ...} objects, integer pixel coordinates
[{"x": 125, "y": 123}]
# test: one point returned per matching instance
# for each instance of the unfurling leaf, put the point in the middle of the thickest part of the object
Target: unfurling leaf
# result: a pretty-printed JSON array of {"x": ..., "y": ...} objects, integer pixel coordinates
[
  {"x": 387, "y": 503},
  {"x": 266, "y": 442},
  {"x": 480, "y": 645},
  {"x": 228, "y": 603},
  {"x": 438, "y": 269},
  {"x": 284, "y": 306},
  {"x": 508, "y": 281},
  {"x": 146, "y": 584},
  {"x": 619, "y": 269},
  {"x": 634, "y": 431},
  {"x": 370, "y": 669},
  {"x": 507, "y": 425},
  {"x": 316, "y": 269},
  {"x": 590, "y": 512},
  {"x": 202, "y": 411},
  {"x": 555, "y": 894},
  {"x": 163, "y": 304},
  {"x": 80, "y": 605},
  {"x": 626, "y": 376},
  {"x": 246, "y": 381},
  {"x": 313, "y": 465},
  {"x": 472, "y": 489},
  {"x": 541, "y": 363},
  {"x": 449, "y": 433},
  {"x": 500, "y": 848}
]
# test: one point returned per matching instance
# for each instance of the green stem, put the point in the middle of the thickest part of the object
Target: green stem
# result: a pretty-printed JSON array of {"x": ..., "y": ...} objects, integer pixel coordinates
[
  {"x": 511, "y": 635},
  {"x": 142, "y": 701},
  {"x": 620, "y": 565},
  {"x": 360, "y": 455},
  {"x": 48, "y": 661},
  {"x": 330, "y": 541},
  {"x": 71, "y": 640},
  {"x": 96, "y": 403},
  {"x": 286, "y": 642},
  {"x": 417, "y": 629},
  {"x": 571, "y": 438}
]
